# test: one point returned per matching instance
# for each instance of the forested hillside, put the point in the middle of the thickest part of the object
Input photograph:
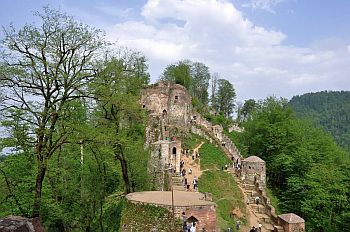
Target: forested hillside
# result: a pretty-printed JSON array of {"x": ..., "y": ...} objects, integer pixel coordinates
[
  {"x": 328, "y": 109},
  {"x": 73, "y": 123},
  {"x": 306, "y": 169}
]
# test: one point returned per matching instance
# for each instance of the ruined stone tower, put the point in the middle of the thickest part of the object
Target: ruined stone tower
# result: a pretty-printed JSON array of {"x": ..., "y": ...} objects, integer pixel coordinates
[{"x": 169, "y": 107}]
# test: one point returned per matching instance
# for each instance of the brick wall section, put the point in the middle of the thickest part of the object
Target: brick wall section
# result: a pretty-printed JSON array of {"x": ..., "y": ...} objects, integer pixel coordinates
[
  {"x": 206, "y": 217},
  {"x": 205, "y": 214}
]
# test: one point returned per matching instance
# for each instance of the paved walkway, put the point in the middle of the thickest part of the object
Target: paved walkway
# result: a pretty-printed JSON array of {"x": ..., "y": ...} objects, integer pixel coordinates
[{"x": 181, "y": 198}]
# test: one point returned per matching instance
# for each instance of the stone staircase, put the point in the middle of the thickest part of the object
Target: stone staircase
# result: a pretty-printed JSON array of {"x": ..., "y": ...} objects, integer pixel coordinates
[
  {"x": 177, "y": 182},
  {"x": 259, "y": 210}
]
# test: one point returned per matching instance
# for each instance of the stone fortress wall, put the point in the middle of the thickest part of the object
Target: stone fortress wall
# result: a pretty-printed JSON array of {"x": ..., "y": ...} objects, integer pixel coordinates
[{"x": 170, "y": 111}]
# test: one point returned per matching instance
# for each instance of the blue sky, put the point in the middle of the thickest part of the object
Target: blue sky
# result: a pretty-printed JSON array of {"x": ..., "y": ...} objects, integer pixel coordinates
[{"x": 263, "y": 47}]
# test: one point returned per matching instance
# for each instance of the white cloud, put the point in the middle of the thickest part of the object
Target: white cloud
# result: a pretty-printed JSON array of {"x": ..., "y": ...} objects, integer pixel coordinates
[
  {"x": 253, "y": 58},
  {"x": 267, "y": 5},
  {"x": 114, "y": 11}
]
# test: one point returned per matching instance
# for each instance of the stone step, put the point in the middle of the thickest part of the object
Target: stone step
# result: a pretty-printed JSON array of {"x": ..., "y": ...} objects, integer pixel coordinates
[
  {"x": 248, "y": 186},
  {"x": 268, "y": 227},
  {"x": 263, "y": 218},
  {"x": 258, "y": 208},
  {"x": 279, "y": 228},
  {"x": 250, "y": 193},
  {"x": 179, "y": 188},
  {"x": 175, "y": 180}
]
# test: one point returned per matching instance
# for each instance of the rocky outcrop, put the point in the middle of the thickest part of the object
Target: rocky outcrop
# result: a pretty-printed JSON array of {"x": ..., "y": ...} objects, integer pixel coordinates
[{"x": 21, "y": 224}]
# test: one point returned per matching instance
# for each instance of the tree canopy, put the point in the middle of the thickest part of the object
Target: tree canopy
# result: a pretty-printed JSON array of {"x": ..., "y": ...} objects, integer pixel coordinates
[
  {"x": 70, "y": 109},
  {"x": 329, "y": 110},
  {"x": 305, "y": 167},
  {"x": 224, "y": 98}
]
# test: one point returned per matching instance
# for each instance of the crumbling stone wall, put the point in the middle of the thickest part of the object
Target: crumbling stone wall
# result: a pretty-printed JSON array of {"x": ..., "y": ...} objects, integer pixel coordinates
[
  {"x": 21, "y": 224},
  {"x": 169, "y": 107},
  {"x": 170, "y": 101}
]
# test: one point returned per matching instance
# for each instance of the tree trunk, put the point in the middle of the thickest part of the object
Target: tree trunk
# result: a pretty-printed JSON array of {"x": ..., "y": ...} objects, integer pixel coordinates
[
  {"x": 38, "y": 187},
  {"x": 120, "y": 156},
  {"x": 126, "y": 179}
]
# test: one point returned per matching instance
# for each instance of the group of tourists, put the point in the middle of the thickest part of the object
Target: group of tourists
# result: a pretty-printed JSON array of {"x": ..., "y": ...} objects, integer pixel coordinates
[
  {"x": 186, "y": 226},
  {"x": 183, "y": 173},
  {"x": 187, "y": 185},
  {"x": 256, "y": 229}
]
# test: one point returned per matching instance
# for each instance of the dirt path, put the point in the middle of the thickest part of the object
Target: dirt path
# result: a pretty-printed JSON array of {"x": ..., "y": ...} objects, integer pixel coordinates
[{"x": 194, "y": 165}]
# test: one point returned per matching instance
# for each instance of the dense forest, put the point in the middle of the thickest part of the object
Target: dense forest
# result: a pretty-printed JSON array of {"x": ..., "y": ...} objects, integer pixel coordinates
[
  {"x": 328, "y": 109},
  {"x": 306, "y": 169},
  {"x": 73, "y": 124},
  {"x": 70, "y": 111}
]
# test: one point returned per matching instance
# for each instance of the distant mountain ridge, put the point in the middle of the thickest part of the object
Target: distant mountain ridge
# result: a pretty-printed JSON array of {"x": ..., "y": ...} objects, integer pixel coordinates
[{"x": 328, "y": 109}]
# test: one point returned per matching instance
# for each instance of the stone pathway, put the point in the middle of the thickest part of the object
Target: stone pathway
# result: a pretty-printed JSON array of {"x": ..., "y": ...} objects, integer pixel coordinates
[
  {"x": 189, "y": 163},
  {"x": 256, "y": 213}
]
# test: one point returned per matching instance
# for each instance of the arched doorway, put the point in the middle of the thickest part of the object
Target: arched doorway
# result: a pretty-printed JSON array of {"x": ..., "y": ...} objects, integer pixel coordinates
[{"x": 192, "y": 220}]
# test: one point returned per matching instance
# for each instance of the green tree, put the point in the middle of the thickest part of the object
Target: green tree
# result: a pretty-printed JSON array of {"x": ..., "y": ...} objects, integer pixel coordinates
[
  {"x": 194, "y": 76},
  {"x": 118, "y": 114},
  {"x": 328, "y": 109},
  {"x": 179, "y": 73},
  {"x": 246, "y": 111},
  {"x": 200, "y": 81},
  {"x": 43, "y": 69},
  {"x": 305, "y": 168},
  {"x": 225, "y": 98}
]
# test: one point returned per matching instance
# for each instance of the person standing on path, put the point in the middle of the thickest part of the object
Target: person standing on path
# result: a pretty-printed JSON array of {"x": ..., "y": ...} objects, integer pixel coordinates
[
  {"x": 253, "y": 229},
  {"x": 193, "y": 227},
  {"x": 238, "y": 224}
]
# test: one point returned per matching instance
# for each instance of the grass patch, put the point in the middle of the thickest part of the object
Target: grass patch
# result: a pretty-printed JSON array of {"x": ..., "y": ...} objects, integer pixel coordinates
[
  {"x": 192, "y": 142},
  {"x": 212, "y": 157},
  {"x": 226, "y": 194},
  {"x": 139, "y": 217}
]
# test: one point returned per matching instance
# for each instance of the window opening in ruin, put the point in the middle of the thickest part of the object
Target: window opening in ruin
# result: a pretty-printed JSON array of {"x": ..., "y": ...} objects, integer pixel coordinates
[
  {"x": 176, "y": 97},
  {"x": 144, "y": 106},
  {"x": 164, "y": 113},
  {"x": 165, "y": 128},
  {"x": 174, "y": 150},
  {"x": 249, "y": 167}
]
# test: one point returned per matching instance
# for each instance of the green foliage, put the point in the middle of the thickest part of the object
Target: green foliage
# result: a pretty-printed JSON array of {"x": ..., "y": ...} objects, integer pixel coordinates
[
  {"x": 305, "y": 167},
  {"x": 245, "y": 112},
  {"x": 17, "y": 173},
  {"x": 112, "y": 214},
  {"x": 179, "y": 73},
  {"x": 224, "y": 98},
  {"x": 194, "y": 76},
  {"x": 192, "y": 141},
  {"x": 226, "y": 194},
  {"x": 274, "y": 201},
  {"x": 212, "y": 157},
  {"x": 328, "y": 109},
  {"x": 138, "y": 217},
  {"x": 219, "y": 119}
]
